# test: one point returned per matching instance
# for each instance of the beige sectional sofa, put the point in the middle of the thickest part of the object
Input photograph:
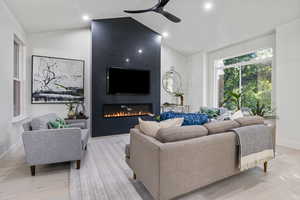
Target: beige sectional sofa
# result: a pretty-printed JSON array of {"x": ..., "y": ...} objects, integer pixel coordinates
[{"x": 171, "y": 164}]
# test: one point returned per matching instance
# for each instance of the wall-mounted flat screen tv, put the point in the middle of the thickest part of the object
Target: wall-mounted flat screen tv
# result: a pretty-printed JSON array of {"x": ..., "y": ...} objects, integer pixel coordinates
[{"x": 122, "y": 81}]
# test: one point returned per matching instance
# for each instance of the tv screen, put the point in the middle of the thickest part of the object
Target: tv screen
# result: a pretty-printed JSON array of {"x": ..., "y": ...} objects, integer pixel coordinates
[{"x": 128, "y": 81}]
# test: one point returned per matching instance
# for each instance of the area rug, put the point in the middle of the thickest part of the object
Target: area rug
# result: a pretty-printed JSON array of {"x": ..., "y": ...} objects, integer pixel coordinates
[{"x": 104, "y": 175}]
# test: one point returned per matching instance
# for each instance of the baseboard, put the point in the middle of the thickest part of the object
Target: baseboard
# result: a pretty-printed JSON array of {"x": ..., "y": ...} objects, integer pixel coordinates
[
  {"x": 12, "y": 147},
  {"x": 288, "y": 143}
]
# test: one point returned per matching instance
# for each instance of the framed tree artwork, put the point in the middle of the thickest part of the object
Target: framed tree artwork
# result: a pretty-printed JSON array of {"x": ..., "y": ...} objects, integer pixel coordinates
[{"x": 57, "y": 80}]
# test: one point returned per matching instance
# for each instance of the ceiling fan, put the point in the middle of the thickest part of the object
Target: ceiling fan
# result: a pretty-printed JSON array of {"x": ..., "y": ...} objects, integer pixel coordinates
[{"x": 158, "y": 8}]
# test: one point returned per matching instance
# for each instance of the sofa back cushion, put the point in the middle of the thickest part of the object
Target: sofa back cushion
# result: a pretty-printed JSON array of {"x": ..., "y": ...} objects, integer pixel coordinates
[
  {"x": 41, "y": 122},
  {"x": 221, "y": 126},
  {"x": 189, "y": 118},
  {"x": 175, "y": 134},
  {"x": 251, "y": 120},
  {"x": 151, "y": 128}
]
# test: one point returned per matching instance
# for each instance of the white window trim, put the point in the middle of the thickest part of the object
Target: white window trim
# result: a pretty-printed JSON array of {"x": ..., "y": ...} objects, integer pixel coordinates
[
  {"x": 22, "y": 79},
  {"x": 215, "y": 71}
]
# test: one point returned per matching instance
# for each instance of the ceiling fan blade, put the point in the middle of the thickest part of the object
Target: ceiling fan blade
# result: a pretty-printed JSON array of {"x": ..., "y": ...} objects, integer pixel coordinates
[
  {"x": 163, "y": 3},
  {"x": 137, "y": 11},
  {"x": 169, "y": 16}
]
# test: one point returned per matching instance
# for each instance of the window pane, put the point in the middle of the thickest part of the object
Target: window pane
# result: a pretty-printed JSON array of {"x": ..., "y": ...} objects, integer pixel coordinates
[
  {"x": 257, "y": 87},
  {"x": 17, "y": 100},
  {"x": 16, "y": 59},
  {"x": 229, "y": 82}
]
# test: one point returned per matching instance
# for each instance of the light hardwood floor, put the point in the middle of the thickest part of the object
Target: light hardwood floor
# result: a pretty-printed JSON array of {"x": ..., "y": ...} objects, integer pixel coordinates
[
  {"x": 105, "y": 176},
  {"x": 50, "y": 183}
]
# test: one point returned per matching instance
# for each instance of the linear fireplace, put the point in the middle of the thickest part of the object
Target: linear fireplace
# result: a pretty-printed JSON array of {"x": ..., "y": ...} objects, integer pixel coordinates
[{"x": 126, "y": 110}]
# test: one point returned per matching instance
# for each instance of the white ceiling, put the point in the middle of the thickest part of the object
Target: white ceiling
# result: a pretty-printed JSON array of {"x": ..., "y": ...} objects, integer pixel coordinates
[{"x": 230, "y": 21}]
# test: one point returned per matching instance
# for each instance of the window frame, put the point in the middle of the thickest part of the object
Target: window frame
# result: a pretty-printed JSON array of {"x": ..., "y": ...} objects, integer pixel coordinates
[{"x": 20, "y": 78}]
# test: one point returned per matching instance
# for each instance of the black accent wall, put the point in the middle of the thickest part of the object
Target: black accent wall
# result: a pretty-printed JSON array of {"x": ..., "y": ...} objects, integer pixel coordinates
[{"x": 116, "y": 43}]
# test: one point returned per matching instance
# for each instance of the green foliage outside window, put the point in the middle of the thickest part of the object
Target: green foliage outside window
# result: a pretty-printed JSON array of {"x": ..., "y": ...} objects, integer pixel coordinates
[{"x": 248, "y": 86}]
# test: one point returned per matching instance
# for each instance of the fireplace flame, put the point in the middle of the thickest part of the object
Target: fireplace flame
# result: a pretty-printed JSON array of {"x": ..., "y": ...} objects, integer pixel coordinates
[{"x": 127, "y": 114}]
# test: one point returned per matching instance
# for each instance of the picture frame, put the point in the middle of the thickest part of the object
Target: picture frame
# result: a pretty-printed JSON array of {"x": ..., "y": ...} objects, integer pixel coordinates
[{"x": 57, "y": 80}]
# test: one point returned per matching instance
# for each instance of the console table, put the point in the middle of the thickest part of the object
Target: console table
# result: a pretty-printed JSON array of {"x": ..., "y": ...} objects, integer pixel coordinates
[{"x": 175, "y": 108}]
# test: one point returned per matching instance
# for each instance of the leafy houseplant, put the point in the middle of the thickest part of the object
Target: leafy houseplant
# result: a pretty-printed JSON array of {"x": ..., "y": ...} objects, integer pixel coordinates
[
  {"x": 71, "y": 112},
  {"x": 259, "y": 110},
  {"x": 235, "y": 97}
]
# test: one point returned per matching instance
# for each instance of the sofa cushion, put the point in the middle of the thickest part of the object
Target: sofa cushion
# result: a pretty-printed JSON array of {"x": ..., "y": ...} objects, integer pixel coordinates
[
  {"x": 41, "y": 122},
  {"x": 175, "y": 134},
  {"x": 251, "y": 120},
  {"x": 189, "y": 118},
  {"x": 151, "y": 128},
  {"x": 221, "y": 126}
]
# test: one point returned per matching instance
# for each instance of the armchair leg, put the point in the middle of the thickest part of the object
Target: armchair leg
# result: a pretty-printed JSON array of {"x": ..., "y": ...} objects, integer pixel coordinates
[
  {"x": 77, "y": 164},
  {"x": 32, "y": 169},
  {"x": 85, "y": 148},
  {"x": 134, "y": 176},
  {"x": 265, "y": 167}
]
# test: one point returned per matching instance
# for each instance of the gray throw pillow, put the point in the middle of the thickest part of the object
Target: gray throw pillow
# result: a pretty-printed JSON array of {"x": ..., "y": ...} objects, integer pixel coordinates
[{"x": 175, "y": 134}]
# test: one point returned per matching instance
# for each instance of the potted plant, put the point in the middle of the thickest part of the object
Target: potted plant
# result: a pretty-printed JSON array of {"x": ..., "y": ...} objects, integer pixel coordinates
[{"x": 71, "y": 111}]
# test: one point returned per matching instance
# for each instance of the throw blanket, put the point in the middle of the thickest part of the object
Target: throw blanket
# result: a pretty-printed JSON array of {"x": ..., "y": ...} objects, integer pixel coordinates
[{"x": 255, "y": 145}]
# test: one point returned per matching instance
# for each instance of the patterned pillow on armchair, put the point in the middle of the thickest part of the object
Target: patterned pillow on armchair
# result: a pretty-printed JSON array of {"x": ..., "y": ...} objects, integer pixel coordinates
[{"x": 189, "y": 118}]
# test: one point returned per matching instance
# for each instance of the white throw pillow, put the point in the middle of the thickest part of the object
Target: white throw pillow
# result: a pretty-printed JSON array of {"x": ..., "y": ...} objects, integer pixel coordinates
[
  {"x": 151, "y": 128},
  {"x": 237, "y": 114}
]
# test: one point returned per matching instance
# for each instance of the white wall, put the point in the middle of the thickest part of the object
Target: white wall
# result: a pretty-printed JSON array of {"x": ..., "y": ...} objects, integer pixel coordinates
[
  {"x": 197, "y": 74},
  {"x": 9, "y": 132},
  {"x": 288, "y": 82},
  {"x": 74, "y": 44},
  {"x": 172, "y": 58}
]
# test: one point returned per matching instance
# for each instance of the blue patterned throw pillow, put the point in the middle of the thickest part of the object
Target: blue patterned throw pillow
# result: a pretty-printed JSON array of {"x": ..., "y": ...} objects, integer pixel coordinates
[{"x": 189, "y": 118}]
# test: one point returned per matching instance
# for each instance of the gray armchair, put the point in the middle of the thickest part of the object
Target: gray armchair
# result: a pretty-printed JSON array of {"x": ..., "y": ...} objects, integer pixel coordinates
[{"x": 46, "y": 146}]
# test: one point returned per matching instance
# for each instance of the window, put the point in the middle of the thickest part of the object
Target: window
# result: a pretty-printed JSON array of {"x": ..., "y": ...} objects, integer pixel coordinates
[
  {"x": 246, "y": 82},
  {"x": 17, "y": 78}
]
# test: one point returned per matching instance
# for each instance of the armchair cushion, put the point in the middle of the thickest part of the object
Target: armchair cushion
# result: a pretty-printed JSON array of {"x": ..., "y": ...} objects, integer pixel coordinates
[
  {"x": 80, "y": 125},
  {"x": 41, "y": 122}
]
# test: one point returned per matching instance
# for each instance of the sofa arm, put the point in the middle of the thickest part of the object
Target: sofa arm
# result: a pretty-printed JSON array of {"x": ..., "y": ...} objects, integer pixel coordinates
[
  {"x": 52, "y": 145},
  {"x": 190, "y": 164},
  {"x": 144, "y": 160}
]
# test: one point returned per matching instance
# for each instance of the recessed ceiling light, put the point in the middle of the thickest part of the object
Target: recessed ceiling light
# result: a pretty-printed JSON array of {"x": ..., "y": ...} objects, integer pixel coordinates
[
  {"x": 165, "y": 34},
  {"x": 140, "y": 51},
  {"x": 86, "y": 18},
  {"x": 127, "y": 60},
  {"x": 208, "y": 6}
]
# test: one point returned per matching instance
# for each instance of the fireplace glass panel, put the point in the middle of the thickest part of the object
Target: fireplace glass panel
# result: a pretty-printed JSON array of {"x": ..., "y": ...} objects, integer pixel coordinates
[{"x": 126, "y": 110}]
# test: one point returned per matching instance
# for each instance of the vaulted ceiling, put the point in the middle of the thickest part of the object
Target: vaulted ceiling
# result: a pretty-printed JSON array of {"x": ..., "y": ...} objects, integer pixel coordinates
[{"x": 227, "y": 22}]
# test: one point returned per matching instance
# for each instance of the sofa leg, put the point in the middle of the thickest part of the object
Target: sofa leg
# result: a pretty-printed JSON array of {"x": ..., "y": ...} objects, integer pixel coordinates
[
  {"x": 77, "y": 164},
  {"x": 265, "y": 167},
  {"x": 85, "y": 148},
  {"x": 32, "y": 169},
  {"x": 134, "y": 176}
]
